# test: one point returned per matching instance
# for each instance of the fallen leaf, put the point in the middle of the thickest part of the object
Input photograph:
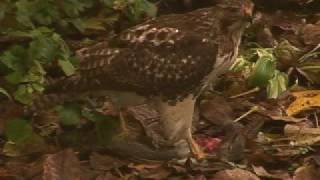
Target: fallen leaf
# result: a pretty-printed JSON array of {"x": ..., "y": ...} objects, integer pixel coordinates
[
  {"x": 217, "y": 111},
  {"x": 305, "y": 100},
  {"x": 156, "y": 174},
  {"x": 260, "y": 171},
  {"x": 63, "y": 165},
  {"x": 104, "y": 162},
  {"x": 107, "y": 176},
  {"x": 293, "y": 129},
  {"x": 311, "y": 34},
  {"x": 307, "y": 172},
  {"x": 235, "y": 174}
]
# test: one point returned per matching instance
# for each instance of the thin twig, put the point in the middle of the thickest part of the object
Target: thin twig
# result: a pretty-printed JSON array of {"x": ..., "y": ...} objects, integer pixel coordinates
[
  {"x": 252, "y": 110},
  {"x": 256, "y": 89}
]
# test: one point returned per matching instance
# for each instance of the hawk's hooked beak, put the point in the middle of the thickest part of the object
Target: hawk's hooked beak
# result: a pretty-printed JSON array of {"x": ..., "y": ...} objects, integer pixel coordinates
[{"x": 247, "y": 10}]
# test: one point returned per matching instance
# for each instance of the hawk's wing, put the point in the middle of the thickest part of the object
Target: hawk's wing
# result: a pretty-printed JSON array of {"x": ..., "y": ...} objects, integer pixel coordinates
[{"x": 167, "y": 56}]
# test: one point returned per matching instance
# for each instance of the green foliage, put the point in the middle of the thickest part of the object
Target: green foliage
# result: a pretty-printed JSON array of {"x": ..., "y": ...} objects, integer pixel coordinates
[
  {"x": 69, "y": 114},
  {"x": 259, "y": 66},
  {"x": 21, "y": 138},
  {"x": 25, "y": 64},
  {"x": 134, "y": 10},
  {"x": 43, "y": 24},
  {"x": 277, "y": 84},
  {"x": 263, "y": 71},
  {"x": 35, "y": 33},
  {"x": 18, "y": 130}
]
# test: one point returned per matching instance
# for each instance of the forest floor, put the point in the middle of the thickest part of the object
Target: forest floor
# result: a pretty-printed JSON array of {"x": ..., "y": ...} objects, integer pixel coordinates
[{"x": 246, "y": 134}]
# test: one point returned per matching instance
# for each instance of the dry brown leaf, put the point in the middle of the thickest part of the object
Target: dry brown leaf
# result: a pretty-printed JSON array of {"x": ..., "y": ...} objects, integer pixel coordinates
[
  {"x": 141, "y": 167},
  {"x": 107, "y": 176},
  {"x": 305, "y": 100},
  {"x": 260, "y": 171},
  {"x": 307, "y": 172},
  {"x": 235, "y": 174},
  {"x": 217, "y": 110},
  {"x": 311, "y": 34},
  {"x": 293, "y": 129},
  {"x": 156, "y": 174},
  {"x": 104, "y": 162},
  {"x": 63, "y": 165},
  {"x": 302, "y": 136}
]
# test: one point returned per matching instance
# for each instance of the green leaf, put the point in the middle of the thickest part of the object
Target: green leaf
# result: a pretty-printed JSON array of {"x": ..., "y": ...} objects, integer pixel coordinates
[
  {"x": 18, "y": 130},
  {"x": 240, "y": 64},
  {"x": 149, "y": 8},
  {"x": 263, "y": 71},
  {"x": 24, "y": 12},
  {"x": 69, "y": 114},
  {"x": 43, "y": 49},
  {"x": 15, "y": 77},
  {"x": 277, "y": 85},
  {"x": 67, "y": 67},
  {"x": 73, "y": 8},
  {"x": 94, "y": 23},
  {"x": 33, "y": 144},
  {"x": 43, "y": 12},
  {"x": 14, "y": 58},
  {"x": 24, "y": 94}
]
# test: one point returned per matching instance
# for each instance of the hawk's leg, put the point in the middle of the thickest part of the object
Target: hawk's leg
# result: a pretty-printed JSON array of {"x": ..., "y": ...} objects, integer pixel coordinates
[
  {"x": 194, "y": 147},
  {"x": 177, "y": 125}
]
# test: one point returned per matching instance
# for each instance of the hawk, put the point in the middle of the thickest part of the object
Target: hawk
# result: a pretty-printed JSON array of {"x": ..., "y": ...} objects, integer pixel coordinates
[{"x": 168, "y": 61}]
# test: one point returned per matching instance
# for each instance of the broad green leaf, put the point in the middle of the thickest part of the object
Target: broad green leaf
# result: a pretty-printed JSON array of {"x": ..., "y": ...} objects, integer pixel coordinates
[
  {"x": 43, "y": 49},
  {"x": 94, "y": 24},
  {"x": 24, "y": 94},
  {"x": 14, "y": 58},
  {"x": 33, "y": 144},
  {"x": 240, "y": 64},
  {"x": 38, "y": 11},
  {"x": 264, "y": 70},
  {"x": 67, "y": 67},
  {"x": 24, "y": 12},
  {"x": 149, "y": 8},
  {"x": 35, "y": 74},
  {"x": 73, "y": 8},
  {"x": 15, "y": 77},
  {"x": 69, "y": 114},
  {"x": 18, "y": 130},
  {"x": 110, "y": 20},
  {"x": 277, "y": 85}
]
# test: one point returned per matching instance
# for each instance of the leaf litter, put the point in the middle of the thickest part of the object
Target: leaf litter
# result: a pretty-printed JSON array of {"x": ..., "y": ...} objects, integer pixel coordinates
[{"x": 279, "y": 140}]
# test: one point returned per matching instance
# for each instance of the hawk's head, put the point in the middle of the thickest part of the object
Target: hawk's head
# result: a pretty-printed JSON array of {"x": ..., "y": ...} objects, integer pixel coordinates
[{"x": 236, "y": 14}]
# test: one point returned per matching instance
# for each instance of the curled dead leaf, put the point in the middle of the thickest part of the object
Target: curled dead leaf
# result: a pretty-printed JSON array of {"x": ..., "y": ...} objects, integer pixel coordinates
[{"x": 304, "y": 100}]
